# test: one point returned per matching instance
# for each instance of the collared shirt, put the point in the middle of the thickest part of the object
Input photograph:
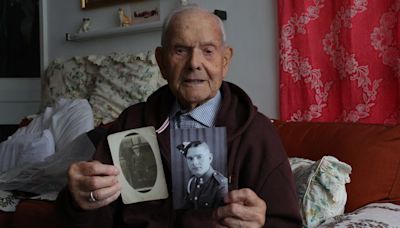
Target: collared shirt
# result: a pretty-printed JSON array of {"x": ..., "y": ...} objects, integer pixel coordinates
[{"x": 200, "y": 117}]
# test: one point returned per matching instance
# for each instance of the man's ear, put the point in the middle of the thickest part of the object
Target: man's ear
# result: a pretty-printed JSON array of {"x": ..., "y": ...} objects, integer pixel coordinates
[
  {"x": 160, "y": 61},
  {"x": 227, "y": 57},
  {"x": 211, "y": 157}
]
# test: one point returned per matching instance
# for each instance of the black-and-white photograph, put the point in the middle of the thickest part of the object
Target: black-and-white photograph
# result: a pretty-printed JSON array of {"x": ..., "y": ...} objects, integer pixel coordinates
[
  {"x": 136, "y": 153},
  {"x": 138, "y": 163},
  {"x": 199, "y": 167}
]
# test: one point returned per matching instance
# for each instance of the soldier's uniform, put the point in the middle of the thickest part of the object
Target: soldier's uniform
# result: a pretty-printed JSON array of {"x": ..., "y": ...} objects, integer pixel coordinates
[{"x": 207, "y": 191}]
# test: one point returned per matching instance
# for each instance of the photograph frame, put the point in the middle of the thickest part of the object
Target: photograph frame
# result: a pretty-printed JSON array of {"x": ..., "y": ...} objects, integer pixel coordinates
[
  {"x": 90, "y": 4},
  {"x": 216, "y": 139},
  {"x": 132, "y": 192}
]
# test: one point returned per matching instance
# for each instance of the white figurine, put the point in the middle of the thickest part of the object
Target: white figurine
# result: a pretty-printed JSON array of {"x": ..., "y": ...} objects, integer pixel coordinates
[
  {"x": 85, "y": 25},
  {"x": 124, "y": 20},
  {"x": 184, "y": 2}
]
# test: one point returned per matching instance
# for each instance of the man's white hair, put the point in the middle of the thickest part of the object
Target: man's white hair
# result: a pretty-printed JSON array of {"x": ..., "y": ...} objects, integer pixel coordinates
[{"x": 178, "y": 10}]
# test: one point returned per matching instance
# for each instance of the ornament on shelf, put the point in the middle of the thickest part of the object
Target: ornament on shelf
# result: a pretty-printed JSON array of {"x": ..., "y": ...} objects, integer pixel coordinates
[
  {"x": 124, "y": 20},
  {"x": 85, "y": 25},
  {"x": 184, "y": 2}
]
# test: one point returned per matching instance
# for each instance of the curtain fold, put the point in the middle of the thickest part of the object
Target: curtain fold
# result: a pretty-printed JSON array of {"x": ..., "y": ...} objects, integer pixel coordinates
[{"x": 340, "y": 60}]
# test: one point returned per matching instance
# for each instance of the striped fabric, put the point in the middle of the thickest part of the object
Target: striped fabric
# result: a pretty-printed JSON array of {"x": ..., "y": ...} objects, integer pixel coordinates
[{"x": 200, "y": 117}]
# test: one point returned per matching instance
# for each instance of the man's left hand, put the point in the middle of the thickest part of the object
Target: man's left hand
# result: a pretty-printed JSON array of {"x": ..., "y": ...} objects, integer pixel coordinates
[{"x": 243, "y": 209}]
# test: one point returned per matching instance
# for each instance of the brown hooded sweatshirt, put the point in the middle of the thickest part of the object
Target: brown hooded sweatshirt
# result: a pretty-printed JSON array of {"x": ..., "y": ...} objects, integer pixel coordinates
[{"x": 256, "y": 160}]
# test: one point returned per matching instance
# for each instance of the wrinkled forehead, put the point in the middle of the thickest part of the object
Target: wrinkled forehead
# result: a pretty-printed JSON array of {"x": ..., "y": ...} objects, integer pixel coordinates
[
  {"x": 195, "y": 14},
  {"x": 192, "y": 20}
]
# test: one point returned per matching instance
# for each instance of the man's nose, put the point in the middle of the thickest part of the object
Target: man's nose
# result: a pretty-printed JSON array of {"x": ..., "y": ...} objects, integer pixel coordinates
[
  {"x": 195, "y": 161},
  {"x": 195, "y": 60}
]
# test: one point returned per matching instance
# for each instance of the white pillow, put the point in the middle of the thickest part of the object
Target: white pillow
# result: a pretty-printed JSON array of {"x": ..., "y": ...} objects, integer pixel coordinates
[{"x": 320, "y": 187}]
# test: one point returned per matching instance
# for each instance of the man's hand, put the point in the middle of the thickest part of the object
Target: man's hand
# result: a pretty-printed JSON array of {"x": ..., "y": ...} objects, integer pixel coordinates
[
  {"x": 244, "y": 209},
  {"x": 101, "y": 179}
]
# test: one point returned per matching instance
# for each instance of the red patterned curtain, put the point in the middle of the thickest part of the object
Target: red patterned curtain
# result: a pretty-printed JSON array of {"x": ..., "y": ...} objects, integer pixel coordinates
[{"x": 340, "y": 60}]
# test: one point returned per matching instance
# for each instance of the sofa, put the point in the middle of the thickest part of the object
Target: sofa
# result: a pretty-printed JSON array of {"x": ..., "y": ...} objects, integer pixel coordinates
[
  {"x": 370, "y": 196},
  {"x": 373, "y": 152}
]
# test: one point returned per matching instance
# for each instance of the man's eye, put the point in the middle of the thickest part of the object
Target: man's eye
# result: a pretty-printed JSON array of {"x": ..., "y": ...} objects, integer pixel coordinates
[
  {"x": 180, "y": 51},
  {"x": 208, "y": 51}
]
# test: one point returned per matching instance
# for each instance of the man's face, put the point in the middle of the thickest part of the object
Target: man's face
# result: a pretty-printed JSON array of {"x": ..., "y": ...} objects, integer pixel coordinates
[
  {"x": 198, "y": 160},
  {"x": 195, "y": 59}
]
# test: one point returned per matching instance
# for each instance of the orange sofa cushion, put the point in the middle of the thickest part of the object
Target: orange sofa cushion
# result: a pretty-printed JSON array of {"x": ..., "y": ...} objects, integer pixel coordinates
[{"x": 373, "y": 152}]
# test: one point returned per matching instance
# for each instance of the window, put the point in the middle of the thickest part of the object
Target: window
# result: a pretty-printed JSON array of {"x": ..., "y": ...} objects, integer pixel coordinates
[{"x": 19, "y": 39}]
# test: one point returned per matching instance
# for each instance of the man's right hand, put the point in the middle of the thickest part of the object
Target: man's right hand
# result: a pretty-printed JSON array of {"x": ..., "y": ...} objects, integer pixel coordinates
[{"x": 101, "y": 179}]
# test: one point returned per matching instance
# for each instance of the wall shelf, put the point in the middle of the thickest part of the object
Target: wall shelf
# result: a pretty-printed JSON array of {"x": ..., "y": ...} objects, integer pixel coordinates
[{"x": 117, "y": 31}]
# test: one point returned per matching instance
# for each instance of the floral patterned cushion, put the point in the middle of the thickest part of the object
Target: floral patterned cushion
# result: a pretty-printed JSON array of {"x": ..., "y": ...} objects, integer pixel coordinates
[
  {"x": 9, "y": 200},
  {"x": 109, "y": 82},
  {"x": 71, "y": 78},
  {"x": 123, "y": 80},
  {"x": 320, "y": 188}
]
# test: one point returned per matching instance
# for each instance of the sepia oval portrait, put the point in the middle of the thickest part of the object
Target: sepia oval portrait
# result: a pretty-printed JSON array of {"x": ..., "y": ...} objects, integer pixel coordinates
[{"x": 137, "y": 162}]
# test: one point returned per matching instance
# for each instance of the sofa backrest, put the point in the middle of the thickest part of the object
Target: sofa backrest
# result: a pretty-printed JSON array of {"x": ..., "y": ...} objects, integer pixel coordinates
[{"x": 372, "y": 150}]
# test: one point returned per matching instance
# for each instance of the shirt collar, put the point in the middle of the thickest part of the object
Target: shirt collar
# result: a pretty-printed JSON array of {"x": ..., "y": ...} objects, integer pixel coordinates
[{"x": 205, "y": 113}]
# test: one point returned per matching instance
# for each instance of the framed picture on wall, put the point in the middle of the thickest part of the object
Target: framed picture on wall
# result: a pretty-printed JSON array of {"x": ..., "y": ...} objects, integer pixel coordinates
[
  {"x": 19, "y": 39},
  {"x": 89, "y": 4}
]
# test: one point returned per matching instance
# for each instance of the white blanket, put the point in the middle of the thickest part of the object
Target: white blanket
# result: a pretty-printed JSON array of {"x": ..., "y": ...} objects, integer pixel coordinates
[
  {"x": 44, "y": 178},
  {"x": 371, "y": 215},
  {"x": 35, "y": 159},
  {"x": 48, "y": 133}
]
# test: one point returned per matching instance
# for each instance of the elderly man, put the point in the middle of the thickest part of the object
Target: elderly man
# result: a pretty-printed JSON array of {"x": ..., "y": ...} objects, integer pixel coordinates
[
  {"x": 194, "y": 59},
  {"x": 206, "y": 187}
]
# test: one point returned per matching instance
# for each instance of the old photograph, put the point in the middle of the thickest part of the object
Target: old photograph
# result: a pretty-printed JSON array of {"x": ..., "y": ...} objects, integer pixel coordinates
[
  {"x": 137, "y": 154},
  {"x": 138, "y": 163},
  {"x": 199, "y": 167}
]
